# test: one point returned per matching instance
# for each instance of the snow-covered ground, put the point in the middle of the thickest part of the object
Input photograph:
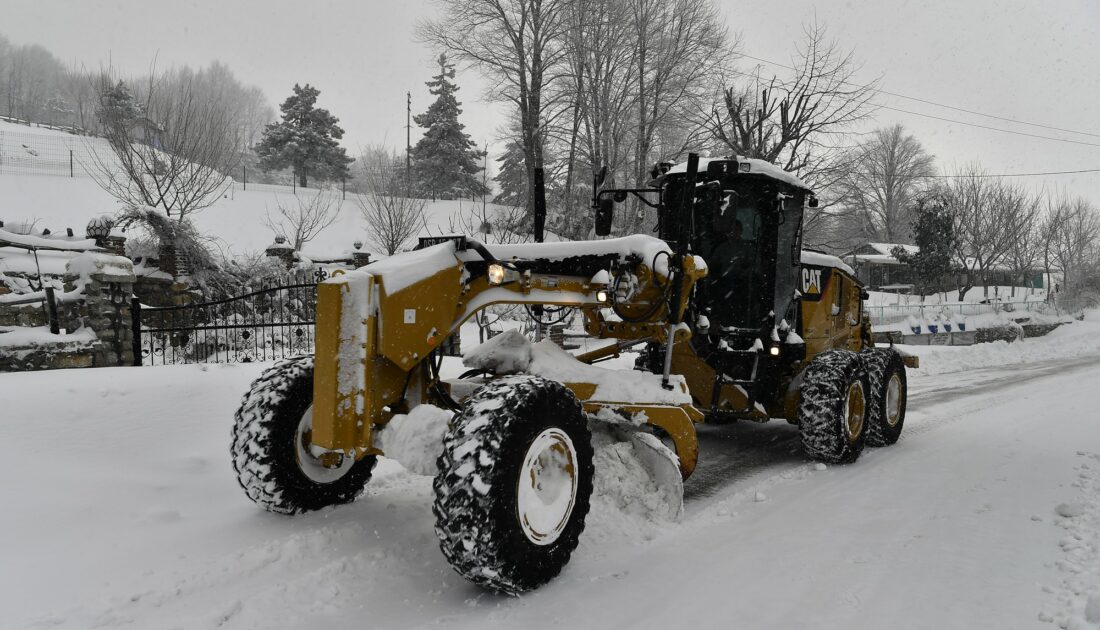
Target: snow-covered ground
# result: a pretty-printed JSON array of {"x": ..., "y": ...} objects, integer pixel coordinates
[{"x": 121, "y": 510}]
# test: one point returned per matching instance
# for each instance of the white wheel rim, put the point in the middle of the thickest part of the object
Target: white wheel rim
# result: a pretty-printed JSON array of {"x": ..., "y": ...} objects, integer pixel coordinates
[
  {"x": 547, "y": 488},
  {"x": 893, "y": 400},
  {"x": 309, "y": 456}
]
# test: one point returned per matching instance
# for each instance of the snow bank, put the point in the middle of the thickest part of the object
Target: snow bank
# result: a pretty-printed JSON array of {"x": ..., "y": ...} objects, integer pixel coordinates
[
  {"x": 1079, "y": 586},
  {"x": 15, "y": 339},
  {"x": 1077, "y": 339}
]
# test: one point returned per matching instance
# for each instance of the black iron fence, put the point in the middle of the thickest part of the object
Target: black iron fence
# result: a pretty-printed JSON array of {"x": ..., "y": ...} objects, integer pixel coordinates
[{"x": 264, "y": 325}]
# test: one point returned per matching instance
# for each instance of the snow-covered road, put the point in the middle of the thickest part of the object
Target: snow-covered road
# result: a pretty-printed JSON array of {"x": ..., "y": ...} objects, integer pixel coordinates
[{"x": 120, "y": 509}]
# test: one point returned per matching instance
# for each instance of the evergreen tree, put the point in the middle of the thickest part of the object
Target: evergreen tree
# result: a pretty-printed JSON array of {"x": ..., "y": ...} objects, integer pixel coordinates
[
  {"x": 934, "y": 233},
  {"x": 118, "y": 107},
  {"x": 306, "y": 140},
  {"x": 512, "y": 176},
  {"x": 445, "y": 160}
]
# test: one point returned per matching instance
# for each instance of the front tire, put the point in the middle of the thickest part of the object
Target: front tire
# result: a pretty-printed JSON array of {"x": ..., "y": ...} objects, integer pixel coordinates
[
  {"x": 889, "y": 393},
  {"x": 514, "y": 484},
  {"x": 832, "y": 415},
  {"x": 278, "y": 467}
]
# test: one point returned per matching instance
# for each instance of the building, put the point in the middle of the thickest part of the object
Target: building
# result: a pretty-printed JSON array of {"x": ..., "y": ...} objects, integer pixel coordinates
[{"x": 876, "y": 267}]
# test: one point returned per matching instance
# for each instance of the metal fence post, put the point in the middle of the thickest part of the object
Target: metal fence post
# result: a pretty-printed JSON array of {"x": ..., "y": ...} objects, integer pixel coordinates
[
  {"x": 135, "y": 319},
  {"x": 71, "y": 171},
  {"x": 51, "y": 311}
]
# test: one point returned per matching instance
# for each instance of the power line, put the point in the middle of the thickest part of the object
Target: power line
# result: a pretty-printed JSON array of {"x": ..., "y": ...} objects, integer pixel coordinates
[
  {"x": 952, "y": 107},
  {"x": 981, "y": 175},
  {"x": 970, "y": 124}
]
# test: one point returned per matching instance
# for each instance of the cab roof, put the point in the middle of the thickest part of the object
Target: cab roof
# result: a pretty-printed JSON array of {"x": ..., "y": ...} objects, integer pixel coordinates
[{"x": 744, "y": 165}]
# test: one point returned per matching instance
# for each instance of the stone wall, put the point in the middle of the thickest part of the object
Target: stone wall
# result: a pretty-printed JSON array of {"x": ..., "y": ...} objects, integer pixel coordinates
[
  {"x": 107, "y": 291},
  {"x": 93, "y": 313}
]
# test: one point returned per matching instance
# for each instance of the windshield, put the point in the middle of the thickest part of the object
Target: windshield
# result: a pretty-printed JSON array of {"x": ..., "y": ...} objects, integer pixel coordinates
[{"x": 748, "y": 232}]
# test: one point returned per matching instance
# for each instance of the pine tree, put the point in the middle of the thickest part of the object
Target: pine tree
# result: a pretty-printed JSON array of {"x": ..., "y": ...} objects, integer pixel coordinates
[
  {"x": 306, "y": 140},
  {"x": 118, "y": 106},
  {"x": 445, "y": 160},
  {"x": 934, "y": 233},
  {"x": 512, "y": 176}
]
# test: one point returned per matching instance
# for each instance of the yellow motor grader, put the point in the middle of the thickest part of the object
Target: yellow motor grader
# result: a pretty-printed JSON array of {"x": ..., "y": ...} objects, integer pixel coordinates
[{"x": 734, "y": 320}]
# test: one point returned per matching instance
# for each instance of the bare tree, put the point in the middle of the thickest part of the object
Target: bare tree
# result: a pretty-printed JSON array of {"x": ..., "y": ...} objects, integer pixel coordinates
[
  {"x": 988, "y": 221},
  {"x": 799, "y": 122},
  {"x": 794, "y": 122},
  {"x": 517, "y": 43},
  {"x": 1026, "y": 249},
  {"x": 1072, "y": 241},
  {"x": 302, "y": 219},
  {"x": 172, "y": 145},
  {"x": 888, "y": 171},
  {"x": 392, "y": 218}
]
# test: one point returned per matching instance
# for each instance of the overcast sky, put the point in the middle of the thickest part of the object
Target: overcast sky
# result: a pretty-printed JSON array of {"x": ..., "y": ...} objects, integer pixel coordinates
[{"x": 1026, "y": 60}]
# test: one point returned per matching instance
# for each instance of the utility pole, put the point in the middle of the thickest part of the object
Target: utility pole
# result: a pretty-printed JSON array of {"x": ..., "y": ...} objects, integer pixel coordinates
[
  {"x": 484, "y": 176},
  {"x": 408, "y": 143}
]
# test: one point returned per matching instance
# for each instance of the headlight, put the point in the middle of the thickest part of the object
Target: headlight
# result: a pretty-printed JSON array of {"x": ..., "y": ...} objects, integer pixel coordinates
[
  {"x": 775, "y": 351},
  {"x": 601, "y": 296},
  {"x": 496, "y": 273}
]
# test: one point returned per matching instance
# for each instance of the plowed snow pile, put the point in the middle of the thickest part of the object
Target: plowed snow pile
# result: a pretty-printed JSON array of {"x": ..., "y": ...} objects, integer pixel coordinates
[
  {"x": 635, "y": 490},
  {"x": 1070, "y": 341}
]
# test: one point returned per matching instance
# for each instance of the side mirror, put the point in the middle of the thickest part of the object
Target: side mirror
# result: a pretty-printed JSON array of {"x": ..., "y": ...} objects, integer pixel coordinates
[
  {"x": 605, "y": 211},
  {"x": 812, "y": 203}
]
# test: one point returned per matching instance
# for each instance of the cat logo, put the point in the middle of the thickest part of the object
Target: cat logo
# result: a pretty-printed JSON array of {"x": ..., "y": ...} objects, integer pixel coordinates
[{"x": 811, "y": 281}]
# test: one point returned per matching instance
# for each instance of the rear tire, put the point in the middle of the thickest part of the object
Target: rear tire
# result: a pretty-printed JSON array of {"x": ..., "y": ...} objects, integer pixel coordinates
[
  {"x": 274, "y": 461},
  {"x": 494, "y": 529},
  {"x": 832, "y": 415},
  {"x": 889, "y": 393}
]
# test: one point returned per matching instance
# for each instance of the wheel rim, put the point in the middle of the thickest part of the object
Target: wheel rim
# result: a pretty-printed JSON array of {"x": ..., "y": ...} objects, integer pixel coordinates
[
  {"x": 893, "y": 400},
  {"x": 548, "y": 485},
  {"x": 854, "y": 407},
  {"x": 318, "y": 464}
]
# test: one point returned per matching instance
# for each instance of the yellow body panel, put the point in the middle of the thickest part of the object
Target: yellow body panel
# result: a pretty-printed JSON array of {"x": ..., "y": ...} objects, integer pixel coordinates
[{"x": 403, "y": 327}]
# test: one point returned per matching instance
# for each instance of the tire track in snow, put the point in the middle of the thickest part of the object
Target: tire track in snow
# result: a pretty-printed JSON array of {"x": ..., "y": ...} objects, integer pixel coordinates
[{"x": 732, "y": 455}]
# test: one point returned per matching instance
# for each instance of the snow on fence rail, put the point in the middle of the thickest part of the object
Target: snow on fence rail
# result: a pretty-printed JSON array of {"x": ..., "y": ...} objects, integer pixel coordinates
[{"x": 891, "y": 313}]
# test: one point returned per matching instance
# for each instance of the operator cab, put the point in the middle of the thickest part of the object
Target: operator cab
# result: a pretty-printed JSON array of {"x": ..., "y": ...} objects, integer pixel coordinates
[{"x": 746, "y": 222}]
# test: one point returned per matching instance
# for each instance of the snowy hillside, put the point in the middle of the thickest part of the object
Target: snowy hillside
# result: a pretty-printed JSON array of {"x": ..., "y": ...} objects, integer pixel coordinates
[
  {"x": 123, "y": 512},
  {"x": 236, "y": 221}
]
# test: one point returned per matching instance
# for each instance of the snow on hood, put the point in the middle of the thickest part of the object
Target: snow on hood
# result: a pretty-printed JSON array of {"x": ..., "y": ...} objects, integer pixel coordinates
[
  {"x": 644, "y": 246},
  {"x": 825, "y": 260},
  {"x": 402, "y": 270}
]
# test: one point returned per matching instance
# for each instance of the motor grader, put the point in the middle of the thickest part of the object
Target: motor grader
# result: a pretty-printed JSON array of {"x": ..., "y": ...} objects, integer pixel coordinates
[{"x": 734, "y": 321}]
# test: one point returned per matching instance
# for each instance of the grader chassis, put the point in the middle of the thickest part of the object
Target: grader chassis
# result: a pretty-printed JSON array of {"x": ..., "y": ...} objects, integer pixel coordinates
[{"x": 737, "y": 321}]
